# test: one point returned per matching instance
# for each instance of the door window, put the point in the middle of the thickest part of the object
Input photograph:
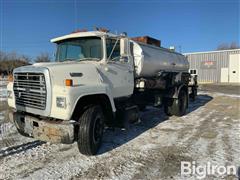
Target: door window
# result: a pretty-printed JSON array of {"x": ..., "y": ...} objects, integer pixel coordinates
[{"x": 113, "y": 46}]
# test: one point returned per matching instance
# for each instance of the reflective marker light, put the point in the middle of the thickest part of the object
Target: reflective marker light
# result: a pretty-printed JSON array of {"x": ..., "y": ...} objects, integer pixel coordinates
[{"x": 69, "y": 82}]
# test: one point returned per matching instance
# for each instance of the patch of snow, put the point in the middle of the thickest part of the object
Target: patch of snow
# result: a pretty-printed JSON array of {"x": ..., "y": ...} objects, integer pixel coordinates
[
  {"x": 219, "y": 94},
  {"x": 3, "y": 94},
  {"x": 5, "y": 129},
  {"x": 123, "y": 152}
]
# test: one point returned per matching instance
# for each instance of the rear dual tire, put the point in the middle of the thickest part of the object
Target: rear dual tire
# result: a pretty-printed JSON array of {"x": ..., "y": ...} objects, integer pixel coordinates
[
  {"x": 177, "y": 106},
  {"x": 193, "y": 94},
  {"x": 142, "y": 107}
]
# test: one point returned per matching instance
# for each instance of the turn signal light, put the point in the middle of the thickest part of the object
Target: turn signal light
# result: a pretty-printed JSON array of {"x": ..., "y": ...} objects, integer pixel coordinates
[{"x": 69, "y": 82}]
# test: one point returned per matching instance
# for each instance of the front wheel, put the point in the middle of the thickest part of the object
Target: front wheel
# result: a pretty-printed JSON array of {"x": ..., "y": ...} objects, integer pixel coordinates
[{"x": 91, "y": 126}]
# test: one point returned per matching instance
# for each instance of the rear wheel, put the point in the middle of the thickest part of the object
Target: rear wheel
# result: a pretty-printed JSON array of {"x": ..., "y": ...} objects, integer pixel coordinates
[
  {"x": 168, "y": 103},
  {"x": 142, "y": 107},
  {"x": 91, "y": 126},
  {"x": 193, "y": 94},
  {"x": 177, "y": 106}
]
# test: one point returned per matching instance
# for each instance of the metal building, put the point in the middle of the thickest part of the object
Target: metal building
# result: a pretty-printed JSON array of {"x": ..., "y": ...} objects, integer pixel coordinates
[{"x": 221, "y": 66}]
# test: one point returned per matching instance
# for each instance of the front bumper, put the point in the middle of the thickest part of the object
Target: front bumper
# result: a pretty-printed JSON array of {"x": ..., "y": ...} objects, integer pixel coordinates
[{"x": 55, "y": 131}]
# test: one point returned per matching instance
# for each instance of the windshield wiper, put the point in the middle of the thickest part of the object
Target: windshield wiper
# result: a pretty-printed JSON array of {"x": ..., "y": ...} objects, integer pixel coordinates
[
  {"x": 68, "y": 59},
  {"x": 82, "y": 59},
  {"x": 88, "y": 58}
]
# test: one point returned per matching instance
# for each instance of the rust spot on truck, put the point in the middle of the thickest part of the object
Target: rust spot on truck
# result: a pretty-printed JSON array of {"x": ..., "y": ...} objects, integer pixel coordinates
[
  {"x": 54, "y": 131},
  {"x": 48, "y": 134},
  {"x": 53, "y": 134}
]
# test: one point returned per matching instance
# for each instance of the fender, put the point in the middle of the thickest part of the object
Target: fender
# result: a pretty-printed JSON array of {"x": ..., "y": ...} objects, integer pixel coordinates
[
  {"x": 178, "y": 89},
  {"x": 103, "y": 90}
]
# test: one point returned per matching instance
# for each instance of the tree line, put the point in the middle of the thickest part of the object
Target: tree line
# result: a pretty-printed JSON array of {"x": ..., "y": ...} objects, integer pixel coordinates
[
  {"x": 226, "y": 46},
  {"x": 12, "y": 60}
]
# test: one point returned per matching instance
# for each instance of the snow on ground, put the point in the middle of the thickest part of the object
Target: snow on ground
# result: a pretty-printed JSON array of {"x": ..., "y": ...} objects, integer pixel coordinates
[
  {"x": 150, "y": 149},
  {"x": 220, "y": 94},
  {"x": 3, "y": 94}
]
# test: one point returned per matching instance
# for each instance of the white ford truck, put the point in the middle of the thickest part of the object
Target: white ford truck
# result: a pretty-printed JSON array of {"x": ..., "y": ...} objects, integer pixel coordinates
[{"x": 98, "y": 80}]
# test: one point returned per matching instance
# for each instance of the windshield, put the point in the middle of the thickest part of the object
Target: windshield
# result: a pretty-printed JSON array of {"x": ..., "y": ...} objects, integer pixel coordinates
[{"x": 85, "y": 48}]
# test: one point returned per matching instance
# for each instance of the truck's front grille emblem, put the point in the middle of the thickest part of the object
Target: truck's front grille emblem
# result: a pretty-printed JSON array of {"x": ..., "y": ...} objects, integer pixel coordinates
[{"x": 30, "y": 90}]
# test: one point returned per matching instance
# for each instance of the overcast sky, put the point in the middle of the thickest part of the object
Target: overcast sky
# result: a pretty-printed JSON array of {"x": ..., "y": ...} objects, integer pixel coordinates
[{"x": 27, "y": 25}]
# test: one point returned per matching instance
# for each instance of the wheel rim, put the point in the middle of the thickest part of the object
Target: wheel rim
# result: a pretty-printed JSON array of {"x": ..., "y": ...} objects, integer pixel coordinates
[{"x": 98, "y": 129}]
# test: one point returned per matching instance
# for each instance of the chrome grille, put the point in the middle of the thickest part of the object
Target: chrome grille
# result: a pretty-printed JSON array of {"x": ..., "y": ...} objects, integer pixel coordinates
[{"x": 30, "y": 90}]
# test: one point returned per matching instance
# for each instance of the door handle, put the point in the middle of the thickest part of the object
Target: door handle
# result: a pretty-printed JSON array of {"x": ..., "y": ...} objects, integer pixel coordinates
[{"x": 130, "y": 70}]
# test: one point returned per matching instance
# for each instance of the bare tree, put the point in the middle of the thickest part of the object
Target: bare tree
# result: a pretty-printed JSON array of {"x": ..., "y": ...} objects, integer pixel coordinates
[
  {"x": 25, "y": 58},
  {"x": 9, "y": 61},
  {"x": 2, "y": 55},
  {"x": 43, "y": 57},
  {"x": 225, "y": 46},
  {"x": 234, "y": 45},
  {"x": 7, "y": 66}
]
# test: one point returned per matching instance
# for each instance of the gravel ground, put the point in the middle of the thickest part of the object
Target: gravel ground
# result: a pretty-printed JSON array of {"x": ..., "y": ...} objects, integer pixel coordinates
[
  {"x": 150, "y": 149},
  {"x": 221, "y": 88}
]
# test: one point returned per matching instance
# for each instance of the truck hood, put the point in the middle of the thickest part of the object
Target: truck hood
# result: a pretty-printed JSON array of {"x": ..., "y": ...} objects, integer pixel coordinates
[
  {"x": 61, "y": 64},
  {"x": 80, "y": 72}
]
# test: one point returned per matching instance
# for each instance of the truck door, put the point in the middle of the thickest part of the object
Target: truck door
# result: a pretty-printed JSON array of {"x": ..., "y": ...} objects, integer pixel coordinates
[{"x": 119, "y": 68}]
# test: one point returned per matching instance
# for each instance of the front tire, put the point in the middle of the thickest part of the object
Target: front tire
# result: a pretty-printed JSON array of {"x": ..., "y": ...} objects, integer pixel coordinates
[{"x": 91, "y": 126}]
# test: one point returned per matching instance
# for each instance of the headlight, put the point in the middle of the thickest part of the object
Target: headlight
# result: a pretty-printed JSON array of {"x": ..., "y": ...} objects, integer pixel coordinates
[
  {"x": 61, "y": 102},
  {"x": 9, "y": 94}
]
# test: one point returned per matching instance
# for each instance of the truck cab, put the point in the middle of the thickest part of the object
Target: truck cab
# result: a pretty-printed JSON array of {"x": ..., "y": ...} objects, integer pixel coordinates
[{"x": 48, "y": 98}]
